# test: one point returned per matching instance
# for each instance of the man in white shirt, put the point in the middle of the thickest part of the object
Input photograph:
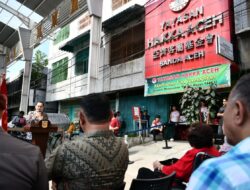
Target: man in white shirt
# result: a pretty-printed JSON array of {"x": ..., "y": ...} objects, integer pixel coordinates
[{"x": 174, "y": 119}]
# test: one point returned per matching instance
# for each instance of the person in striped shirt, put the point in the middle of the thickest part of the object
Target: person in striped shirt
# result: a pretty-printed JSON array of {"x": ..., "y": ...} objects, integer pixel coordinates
[{"x": 230, "y": 171}]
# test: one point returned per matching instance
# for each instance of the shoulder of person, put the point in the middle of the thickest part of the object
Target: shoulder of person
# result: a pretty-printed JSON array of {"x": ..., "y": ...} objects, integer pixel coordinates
[
  {"x": 31, "y": 113},
  {"x": 22, "y": 147},
  {"x": 15, "y": 118}
]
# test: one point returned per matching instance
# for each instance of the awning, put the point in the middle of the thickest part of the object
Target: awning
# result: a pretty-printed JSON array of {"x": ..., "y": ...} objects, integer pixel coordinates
[
  {"x": 82, "y": 40},
  {"x": 132, "y": 13}
]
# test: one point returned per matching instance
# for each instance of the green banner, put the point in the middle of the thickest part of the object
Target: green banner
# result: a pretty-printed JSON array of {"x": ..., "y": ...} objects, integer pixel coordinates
[{"x": 218, "y": 75}]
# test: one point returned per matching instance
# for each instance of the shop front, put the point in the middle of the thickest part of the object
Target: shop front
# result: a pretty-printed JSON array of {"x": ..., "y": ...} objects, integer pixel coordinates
[
  {"x": 188, "y": 44},
  {"x": 183, "y": 45}
]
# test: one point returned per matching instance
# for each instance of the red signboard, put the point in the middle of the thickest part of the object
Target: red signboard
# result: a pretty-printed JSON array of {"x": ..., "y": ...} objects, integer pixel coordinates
[
  {"x": 136, "y": 111},
  {"x": 181, "y": 35}
]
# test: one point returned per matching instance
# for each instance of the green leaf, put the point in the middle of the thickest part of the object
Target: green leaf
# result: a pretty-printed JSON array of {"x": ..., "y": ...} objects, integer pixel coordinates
[
  {"x": 213, "y": 94},
  {"x": 207, "y": 98},
  {"x": 213, "y": 102},
  {"x": 208, "y": 91},
  {"x": 196, "y": 94},
  {"x": 196, "y": 103}
]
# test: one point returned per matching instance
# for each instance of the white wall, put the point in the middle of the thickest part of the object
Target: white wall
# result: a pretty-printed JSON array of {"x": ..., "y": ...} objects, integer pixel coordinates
[
  {"x": 118, "y": 77},
  {"x": 108, "y": 12},
  {"x": 74, "y": 86}
]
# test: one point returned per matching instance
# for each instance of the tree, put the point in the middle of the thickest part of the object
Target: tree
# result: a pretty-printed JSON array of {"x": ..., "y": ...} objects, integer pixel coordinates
[
  {"x": 190, "y": 102},
  {"x": 40, "y": 62}
]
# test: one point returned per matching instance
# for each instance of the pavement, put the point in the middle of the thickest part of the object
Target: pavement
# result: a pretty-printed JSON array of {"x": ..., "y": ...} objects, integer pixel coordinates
[{"x": 144, "y": 155}]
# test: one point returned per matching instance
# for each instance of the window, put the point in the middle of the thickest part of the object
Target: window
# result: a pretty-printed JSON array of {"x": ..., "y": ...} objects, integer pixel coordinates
[
  {"x": 81, "y": 64},
  {"x": 59, "y": 71},
  {"x": 62, "y": 35},
  {"x": 118, "y": 3},
  {"x": 128, "y": 45}
]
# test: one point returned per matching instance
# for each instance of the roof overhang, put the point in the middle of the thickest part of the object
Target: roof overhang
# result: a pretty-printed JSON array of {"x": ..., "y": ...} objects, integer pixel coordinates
[
  {"x": 75, "y": 42},
  {"x": 132, "y": 13},
  {"x": 42, "y": 7},
  {"x": 9, "y": 36}
]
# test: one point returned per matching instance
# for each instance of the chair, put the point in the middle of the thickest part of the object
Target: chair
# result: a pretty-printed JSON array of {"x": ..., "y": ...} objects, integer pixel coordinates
[
  {"x": 199, "y": 158},
  {"x": 164, "y": 183},
  {"x": 121, "y": 187}
]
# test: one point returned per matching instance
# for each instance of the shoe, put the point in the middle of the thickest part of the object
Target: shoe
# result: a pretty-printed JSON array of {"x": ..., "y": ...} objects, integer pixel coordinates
[{"x": 171, "y": 139}]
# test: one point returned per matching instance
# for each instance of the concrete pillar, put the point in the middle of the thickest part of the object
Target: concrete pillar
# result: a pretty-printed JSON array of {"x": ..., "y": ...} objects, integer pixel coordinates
[
  {"x": 106, "y": 60},
  {"x": 94, "y": 54},
  {"x": 117, "y": 102},
  {"x": 95, "y": 10},
  {"x": 2, "y": 64},
  {"x": 24, "y": 35}
]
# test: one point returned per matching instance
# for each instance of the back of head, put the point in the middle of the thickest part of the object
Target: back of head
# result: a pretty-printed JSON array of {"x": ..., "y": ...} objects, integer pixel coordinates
[
  {"x": 96, "y": 108},
  {"x": 21, "y": 113},
  {"x": 201, "y": 136},
  {"x": 158, "y": 116},
  {"x": 241, "y": 90}
]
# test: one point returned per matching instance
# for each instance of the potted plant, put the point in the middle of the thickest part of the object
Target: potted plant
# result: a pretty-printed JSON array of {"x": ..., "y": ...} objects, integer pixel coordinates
[{"x": 190, "y": 103}]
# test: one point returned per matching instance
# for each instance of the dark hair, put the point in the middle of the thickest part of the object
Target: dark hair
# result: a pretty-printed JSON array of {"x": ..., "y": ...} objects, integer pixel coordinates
[
  {"x": 241, "y": 90},
  {"x": 157, "y": 116},
  {"x": 201, "y": 136},
  {"x": 40, "y": 102},
  {"x": 96, "y": 108},
  {"x": 21, "y": 112},
  {"x": 203, "y": 101},
  {"x": 2, "y": 102},
  {"x": 115, "y": 114}
]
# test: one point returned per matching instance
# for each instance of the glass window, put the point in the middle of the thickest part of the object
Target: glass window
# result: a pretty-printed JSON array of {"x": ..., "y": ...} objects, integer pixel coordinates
[
  {"x": 81, "y": 62},
  {"x": 118, "y": 3},
  {"x": 59, "y": 71},
  {"x": 128, "y": 45},
  {"x": 62, "y": 35}
]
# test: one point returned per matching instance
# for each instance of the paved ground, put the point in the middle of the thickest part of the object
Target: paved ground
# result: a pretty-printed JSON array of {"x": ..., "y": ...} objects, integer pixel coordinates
[{"x": 144, "y": 156}]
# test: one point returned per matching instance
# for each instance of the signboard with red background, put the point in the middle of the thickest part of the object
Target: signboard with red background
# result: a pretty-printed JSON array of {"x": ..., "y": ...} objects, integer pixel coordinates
[
  {"x": 180, "y": 35},
  {"x": 136, "y": 111}
]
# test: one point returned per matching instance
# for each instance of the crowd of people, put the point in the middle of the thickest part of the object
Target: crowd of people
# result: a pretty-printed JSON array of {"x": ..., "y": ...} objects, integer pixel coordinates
[{"x": 99, "y": 159}]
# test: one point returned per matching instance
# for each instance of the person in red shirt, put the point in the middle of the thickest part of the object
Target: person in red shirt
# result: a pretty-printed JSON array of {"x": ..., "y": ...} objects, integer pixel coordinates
[
  {"x": 201, "y": 139},
  {"x": 115, "y": 124}
]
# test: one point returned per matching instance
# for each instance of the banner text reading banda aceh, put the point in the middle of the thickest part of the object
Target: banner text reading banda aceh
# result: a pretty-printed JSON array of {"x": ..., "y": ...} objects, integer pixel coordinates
[
  {"x": 180, "y": 35},
  {"x": 218, "y": 75}
]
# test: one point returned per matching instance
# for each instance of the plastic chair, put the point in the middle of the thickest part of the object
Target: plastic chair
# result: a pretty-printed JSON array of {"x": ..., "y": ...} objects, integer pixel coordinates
[
  {"x": 164, "y": 183},
  {"x": 199, "y": 158}
]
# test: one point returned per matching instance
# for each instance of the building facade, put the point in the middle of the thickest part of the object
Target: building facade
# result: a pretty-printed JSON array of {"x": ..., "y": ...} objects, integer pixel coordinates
[
  {"x": 134, "y": 56},
  {"x": 37, "y": 93}
]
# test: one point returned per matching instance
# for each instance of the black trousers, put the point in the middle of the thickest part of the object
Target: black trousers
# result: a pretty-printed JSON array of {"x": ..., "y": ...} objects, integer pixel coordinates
[
  {"x": 145, "y": 173},
  {"x": 155, "y": 132}
]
